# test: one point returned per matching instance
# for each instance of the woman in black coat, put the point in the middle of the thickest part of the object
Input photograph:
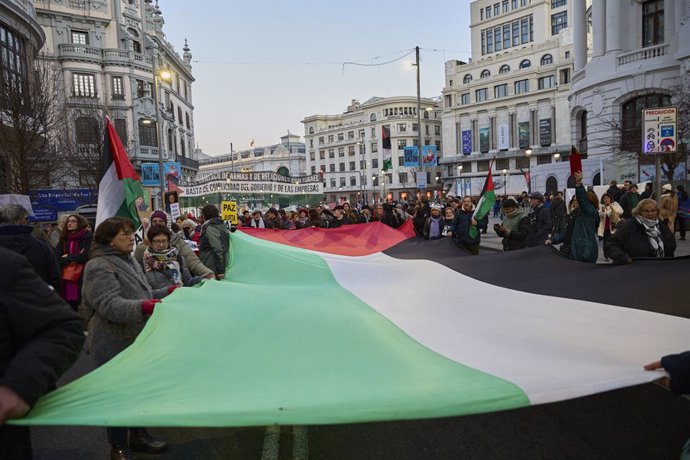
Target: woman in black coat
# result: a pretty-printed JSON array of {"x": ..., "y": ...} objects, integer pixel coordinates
[
  {"x": 74, "y": 244},
  {"x": 641, "y": 236}
]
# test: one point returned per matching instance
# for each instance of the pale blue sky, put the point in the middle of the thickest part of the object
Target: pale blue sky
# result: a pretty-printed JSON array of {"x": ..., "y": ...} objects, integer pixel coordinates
[{"x": 264, "y": 65}]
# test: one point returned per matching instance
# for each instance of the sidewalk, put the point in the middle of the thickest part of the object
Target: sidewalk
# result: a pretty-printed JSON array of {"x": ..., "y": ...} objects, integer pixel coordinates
[{"x": 492, "y": 242}]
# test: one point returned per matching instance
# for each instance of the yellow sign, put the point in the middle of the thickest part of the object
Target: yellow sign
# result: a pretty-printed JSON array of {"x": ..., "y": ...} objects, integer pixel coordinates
[{"x": 229, "y": 211}]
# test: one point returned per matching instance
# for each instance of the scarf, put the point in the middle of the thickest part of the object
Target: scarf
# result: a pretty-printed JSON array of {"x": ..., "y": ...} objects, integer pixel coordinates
[
  {"x": 165, "y": 260},
  {"x": 257, "y": 224},
  {"x": 435, "y": 227},
  {"x": 651, "y": 229}
]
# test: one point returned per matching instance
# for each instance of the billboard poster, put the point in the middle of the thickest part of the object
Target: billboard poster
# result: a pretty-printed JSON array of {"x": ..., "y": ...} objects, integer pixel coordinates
[
  {"x": 484, "y": 140},
  {"x": 523, "y": 134},
  {"x": 172, "y": 171},
  {"x": 467, "y": 142},
  {"x": 410, "y": 156},
  {"x": 503, "y": 137},
  {"x": 266, "y": 182},
  {"x": 150, "y": 175},
  {"x": 429, "y": 157},
  {"x": 659, "y": 130},
  {"x": 545, "y": 132}
]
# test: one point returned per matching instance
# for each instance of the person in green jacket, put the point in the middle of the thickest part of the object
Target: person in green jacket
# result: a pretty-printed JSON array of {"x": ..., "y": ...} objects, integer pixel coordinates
[
  {"x": 580, "y": 239},
  {"x": 214, "y": 242}
]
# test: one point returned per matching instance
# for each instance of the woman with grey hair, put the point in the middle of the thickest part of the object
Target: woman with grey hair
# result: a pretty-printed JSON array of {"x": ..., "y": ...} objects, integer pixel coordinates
[{"x": 641, "y": 237}]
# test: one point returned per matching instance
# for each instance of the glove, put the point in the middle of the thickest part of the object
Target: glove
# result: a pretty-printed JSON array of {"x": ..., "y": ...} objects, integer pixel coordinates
[
  {"x": 147, "y": 306},
  {"x": 171, "y": 289}
]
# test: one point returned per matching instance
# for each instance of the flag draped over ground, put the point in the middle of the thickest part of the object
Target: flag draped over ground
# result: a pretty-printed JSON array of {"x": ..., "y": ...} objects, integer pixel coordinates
[
  {"x": 298, "y": 336},
  {"x": 487, "y": 199},
  {"x": 120, "y": 185},
  {"x": 387, "y": 150}
]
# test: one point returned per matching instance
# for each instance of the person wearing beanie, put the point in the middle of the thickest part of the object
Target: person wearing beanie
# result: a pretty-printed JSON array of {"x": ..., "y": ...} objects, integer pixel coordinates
[
  {"x": 214, "y": 243},
  {"x": 515, "y": 228},
  {"x": 540, "y": 220},
  {"x": 196, "y": 267}
]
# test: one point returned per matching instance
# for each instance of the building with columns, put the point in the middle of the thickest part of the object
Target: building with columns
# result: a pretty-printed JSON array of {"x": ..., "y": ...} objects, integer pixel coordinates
[
  {"x": 628, "y": 56},
  {"x": 510, "y": 100},
  {"x": 287, "y": 158},
  {"x": 348, "y": 149},
  {"x": 111, "y": 54}
]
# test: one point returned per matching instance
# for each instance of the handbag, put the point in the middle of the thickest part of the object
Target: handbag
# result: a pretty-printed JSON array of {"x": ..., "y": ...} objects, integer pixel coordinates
[{"x": 72, "y": 272}]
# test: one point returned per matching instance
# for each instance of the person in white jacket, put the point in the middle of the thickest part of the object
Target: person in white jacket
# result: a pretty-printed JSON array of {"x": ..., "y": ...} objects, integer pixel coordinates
[{"x": 610, "y": 213}]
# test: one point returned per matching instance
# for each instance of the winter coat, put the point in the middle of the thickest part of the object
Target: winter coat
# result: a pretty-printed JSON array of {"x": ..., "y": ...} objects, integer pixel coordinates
[
  {"x": 615, "y": 193},
  {"x": 427, "y": 228},
  {"x": 214, "y": 245},
  {"x": 461, "y": 228},
  {"x": 614, "y": 212},
  {"x": 80, "y": 257},
  {"x": 114, "y": 289},
  {"x": 631, "y": 241},
  {"x": 541, "y": 223},
  {"x": 40, "y": 335},
  {"x": 420, "y": 218},
  {"x": 335, "y": 223},
  {"x": 195, "y": 266},
  {"x": 678, "y": 367},
  {"x": 162, "y": 278},
  {"x": 18, "y": 238},
  {"x": 516, "y": 239},
  {"x": 628, "y": 202},
  {"x": 583, "y": 241},
  {"x": 558, "y": 215}
]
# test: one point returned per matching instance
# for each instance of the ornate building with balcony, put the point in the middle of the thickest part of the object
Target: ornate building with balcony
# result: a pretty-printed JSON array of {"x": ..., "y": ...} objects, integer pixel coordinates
[
  {"x": 287, "y": 158},
  {"x": 510, "y": 100},
  {"x": 110, "y": 53},
  {"x": 347, "y": 148},
  {"x": 639, "y": 51}
]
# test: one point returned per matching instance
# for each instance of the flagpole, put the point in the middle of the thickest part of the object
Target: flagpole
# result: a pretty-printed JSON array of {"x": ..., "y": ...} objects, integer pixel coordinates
[{"x": 419, "y": 122}]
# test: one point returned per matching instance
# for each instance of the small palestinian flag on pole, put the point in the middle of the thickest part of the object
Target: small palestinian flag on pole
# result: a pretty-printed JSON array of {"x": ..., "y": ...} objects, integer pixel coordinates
[
  {"x": 486, "y": 201},
  {"x": 387, "y": 152},
  {"x": 120, "y": 185}
]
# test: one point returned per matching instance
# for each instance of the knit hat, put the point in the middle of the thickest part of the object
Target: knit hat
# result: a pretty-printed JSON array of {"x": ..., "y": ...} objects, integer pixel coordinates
[
  {"x": 509, "y": 203},
  {"x": 159, "y": 214},
  {"x": 668, "y": 187}
]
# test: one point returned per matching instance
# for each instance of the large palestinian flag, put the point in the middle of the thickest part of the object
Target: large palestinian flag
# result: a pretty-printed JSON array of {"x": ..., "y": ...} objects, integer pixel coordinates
[
  {"x": 398, "y": 328},
  {"x": 119, "y": 186}
]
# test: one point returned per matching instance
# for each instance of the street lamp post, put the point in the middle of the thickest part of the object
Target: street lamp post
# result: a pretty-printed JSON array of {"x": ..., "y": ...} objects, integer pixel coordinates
[
  {"x": 505, "y": 184},
  {"x": 462, "y": 187},
  {"x": 159, "y": 73},
  {"x": 528, "y": 153}
]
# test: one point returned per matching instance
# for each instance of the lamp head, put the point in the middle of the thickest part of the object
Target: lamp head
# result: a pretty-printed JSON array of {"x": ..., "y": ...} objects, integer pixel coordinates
[
  {"x": 528, "y": 152},
  {"x": 165, "y": 75}
]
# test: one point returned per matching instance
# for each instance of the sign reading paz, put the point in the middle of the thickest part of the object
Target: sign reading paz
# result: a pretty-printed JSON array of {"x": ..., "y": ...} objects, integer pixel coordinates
[
  {"x": 229, "y": 211},
  {"x": 659, "y": 130}
]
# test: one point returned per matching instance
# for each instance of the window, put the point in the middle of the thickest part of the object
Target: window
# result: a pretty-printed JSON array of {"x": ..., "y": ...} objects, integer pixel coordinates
[
  {"x": 136, "y": 44},
  {"x": 513, "y": 4},
  {"x": 188, "y": 125},
  {"x": 487, "y": 12},
  {"x": 86, "y": 130},
  {"x": 500, "y": 91},
  {"x": 121, "y": 129},
  {"x": 652, "y": 22},
  {"x": 79, "y": 37},
  {"x": 352, "y": 166},
  {"x": 515, "y": 26},
  {"x": 437, "y": 130},
  {"x": 374, "y": 147},
  {"x": 351, "y": 150},
  {"x": 565, "y": 76},
  {"x": 342, "y": 182},
  {"x": 350, "y": 135},
  {"x": 632, "y": 118},
  {"x": 486, "y": 73},
  {"x": 83, "y": 85},
  {"x": 506, "y": 35},
  {"x": 505, "y": 68},
  {"x": 525, "y": 63},
  {"x": 521, "y": 86},
  {"x": 501, "y": 164},
  {"x": 467, "y": 79},
  {"x": 525, "y": 30},
  {"x": 415, "y": 127},
  {"x": 330, "y": 139},
  {"x": 558, "y": 3},
  {"x": 482, "y": 165},
  {"x": 361, "y": 134},
  {"x": 547, "y": 82},
  {"x": 497, "y": 38},
  {"x": 147, "y": 134},
  {"x": 506, "y": 7},
  {"x": 372, "y": 117},
  {"x": 341, "y": 152},
  {"x": 341, "y": 136},
  {"x": 465, "y": 98},
  {"x": 374, "y": 162},
  {"x": 546, "y": 59},
  {"x": 426, "y": 129},
  {"x": 480, "y": 95},
  {"x": 322, "y": 154},
  {"x": 144, "y": 88},
  {"x": 402, "y": 178},
  {"x": 489, "y": 41},
  {"x": 118, "y": 90},
  {"x": 497, "y": 9},
  {"x": 179, "y": 114},
  {"x": 481, "y": 14},
  {"x": 401, "y": 144},
  {"x": 332, "y": 182},
  {"x": 559, "y": 21},
  {"x": 331, "y": 153},
  {"x": 331, "y": 168},
  {"x": 543, "y": 159},
  {"x": 402, "y": 127},
  {"x": 353, "y": 181}
]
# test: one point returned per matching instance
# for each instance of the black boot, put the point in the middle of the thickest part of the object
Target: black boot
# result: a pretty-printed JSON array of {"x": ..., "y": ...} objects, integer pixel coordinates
[
  {"x": 120, "y": 453},
  {"x": 141, "y": 441}
]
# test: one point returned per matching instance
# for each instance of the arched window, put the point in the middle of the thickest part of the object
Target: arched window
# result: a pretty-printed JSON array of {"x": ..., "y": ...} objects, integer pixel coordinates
[
  {"x": 546, "y": 59},
  {"x": 283, "y": 171},
  {"x": 597, "y": 179},
  {"x": 571, "y": 182},
  {"x": 426, "y": 114},
  {"x": 632, "y": 118},
  {"x": 551, "y": 184},
  {"x": 505, "y": 68},
  {"x": 136, "y": 44},
  {"x": 467, "y": 78},
  {"x": 486, "y": 73},
  {"x": 311, "y": 130},
  {"x": 525, "y": 63},
  {"x": 372, "y": 117}
]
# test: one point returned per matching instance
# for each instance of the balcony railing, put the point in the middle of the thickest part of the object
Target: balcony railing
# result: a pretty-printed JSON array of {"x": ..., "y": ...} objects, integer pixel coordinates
[
  {"x": 650, "y": 52},
  {"x": 80, "y": 52},
  {"x": 188, "y": 162},
  {"x": 110, "y": 55}
]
